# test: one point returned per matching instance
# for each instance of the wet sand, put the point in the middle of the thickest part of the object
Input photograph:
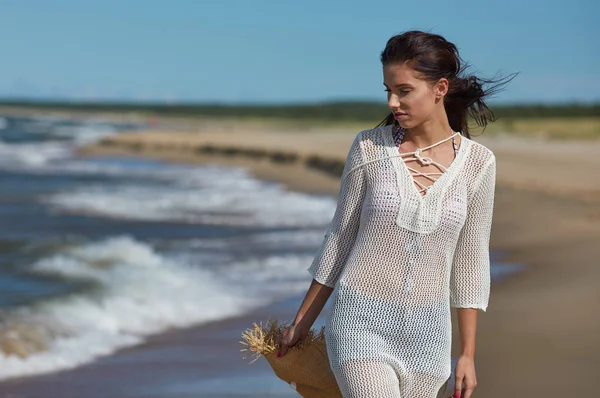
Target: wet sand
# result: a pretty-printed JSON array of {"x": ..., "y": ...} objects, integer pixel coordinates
[{"x": 539, "y": 338}]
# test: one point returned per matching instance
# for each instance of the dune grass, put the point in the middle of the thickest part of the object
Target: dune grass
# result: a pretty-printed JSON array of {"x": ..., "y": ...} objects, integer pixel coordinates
[
  {"x": 566, "y": 128},
  {"x": 557, "y": 123}
]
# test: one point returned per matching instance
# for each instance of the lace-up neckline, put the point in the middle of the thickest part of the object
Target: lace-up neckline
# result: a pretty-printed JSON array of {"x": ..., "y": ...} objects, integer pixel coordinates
[{"x": 399, "y": 134}]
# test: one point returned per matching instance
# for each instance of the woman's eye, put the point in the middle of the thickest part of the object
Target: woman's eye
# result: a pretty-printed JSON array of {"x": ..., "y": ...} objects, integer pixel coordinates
[{"x": 403, "y": 92}]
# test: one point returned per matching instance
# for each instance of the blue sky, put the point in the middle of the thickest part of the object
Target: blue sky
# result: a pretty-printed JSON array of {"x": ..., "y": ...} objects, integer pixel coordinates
[{"x": 280, "y": 51}]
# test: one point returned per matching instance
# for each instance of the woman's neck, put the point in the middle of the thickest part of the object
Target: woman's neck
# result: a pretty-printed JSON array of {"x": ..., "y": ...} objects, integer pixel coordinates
[{"x": 429, "y": 132}]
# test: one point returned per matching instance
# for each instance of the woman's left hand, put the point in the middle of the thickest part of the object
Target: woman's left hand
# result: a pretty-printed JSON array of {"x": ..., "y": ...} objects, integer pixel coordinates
[{"x": 465, "y": 372}]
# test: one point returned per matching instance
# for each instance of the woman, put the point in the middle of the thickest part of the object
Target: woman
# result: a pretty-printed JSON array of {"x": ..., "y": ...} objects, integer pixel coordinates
[{"x": 410, "y": 235}]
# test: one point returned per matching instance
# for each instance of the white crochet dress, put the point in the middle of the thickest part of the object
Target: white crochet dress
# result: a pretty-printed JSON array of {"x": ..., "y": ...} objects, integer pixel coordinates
[{"x": 398, "y": 261}]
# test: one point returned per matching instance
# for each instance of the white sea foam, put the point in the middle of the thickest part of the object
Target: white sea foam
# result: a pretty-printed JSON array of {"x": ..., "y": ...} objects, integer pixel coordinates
[
  {"x": 161, "y": 192},
  {"x": 138, "y": 292},
  {"x": 203, "y": 194},
  {"x": 57, "y": 141},
  {"x": 82, "y": 135},
  {"x": 32, "y": 155}
]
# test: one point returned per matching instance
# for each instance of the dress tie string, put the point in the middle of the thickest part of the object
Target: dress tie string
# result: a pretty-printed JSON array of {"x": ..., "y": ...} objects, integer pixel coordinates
[{"x": 423, "y": 160}]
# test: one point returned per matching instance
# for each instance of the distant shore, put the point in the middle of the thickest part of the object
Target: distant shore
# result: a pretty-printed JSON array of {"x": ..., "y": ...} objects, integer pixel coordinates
[
  {"x": 541, "y": 322},
  {"x": 554, "y": 121}
]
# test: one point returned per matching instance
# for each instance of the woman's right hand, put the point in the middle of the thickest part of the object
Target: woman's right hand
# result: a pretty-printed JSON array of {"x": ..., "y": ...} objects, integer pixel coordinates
[{"x": 291, "y": 335}]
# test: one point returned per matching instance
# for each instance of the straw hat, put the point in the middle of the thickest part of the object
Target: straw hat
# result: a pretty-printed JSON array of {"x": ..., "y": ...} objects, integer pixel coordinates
[{"x": 305, "y": 366}]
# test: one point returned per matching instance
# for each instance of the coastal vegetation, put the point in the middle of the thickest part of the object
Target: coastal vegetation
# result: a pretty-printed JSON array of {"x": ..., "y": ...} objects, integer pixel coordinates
[{"x": 573, "y": 120}]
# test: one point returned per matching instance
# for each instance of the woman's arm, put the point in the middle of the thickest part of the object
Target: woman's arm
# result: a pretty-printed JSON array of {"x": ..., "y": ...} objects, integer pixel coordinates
[
  {"x": 470, "y": 273},
  {"x": 311, "y": 307},
  {"x": 331, "y": 257},
  {"x": 465, "y": 367},
  {"x": 467, "y": 327},
  {"x": 470, "y": 276}
]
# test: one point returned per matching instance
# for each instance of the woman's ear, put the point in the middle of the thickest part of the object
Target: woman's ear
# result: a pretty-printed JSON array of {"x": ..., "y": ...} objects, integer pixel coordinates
[{"x": 441, "y": 88}]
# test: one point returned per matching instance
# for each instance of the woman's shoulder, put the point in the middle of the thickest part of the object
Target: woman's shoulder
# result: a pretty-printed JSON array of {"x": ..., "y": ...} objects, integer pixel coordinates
[
  {"x": 478, "y": 152},
  {"x": 376, "y": 131},
  {"x": 375, "y": 136},
  {"x": 479, "y": 164}
]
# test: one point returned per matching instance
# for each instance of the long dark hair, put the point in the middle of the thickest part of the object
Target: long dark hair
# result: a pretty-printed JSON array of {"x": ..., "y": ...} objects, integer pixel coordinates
[{"x": 434, "y": 58}]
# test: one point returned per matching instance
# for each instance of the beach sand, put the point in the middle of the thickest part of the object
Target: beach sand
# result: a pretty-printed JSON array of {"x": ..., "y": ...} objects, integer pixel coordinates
[{"x": 541, "y": 334}]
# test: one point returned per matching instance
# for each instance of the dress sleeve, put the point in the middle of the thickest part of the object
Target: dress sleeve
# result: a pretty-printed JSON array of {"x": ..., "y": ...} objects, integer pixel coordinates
[
  {"x": 341, "y": 234},
  {"x": 470, "y": 274}
]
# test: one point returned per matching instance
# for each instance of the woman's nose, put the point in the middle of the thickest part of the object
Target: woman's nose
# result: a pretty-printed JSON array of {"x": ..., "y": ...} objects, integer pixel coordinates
[{"x": 393, "y": 102}]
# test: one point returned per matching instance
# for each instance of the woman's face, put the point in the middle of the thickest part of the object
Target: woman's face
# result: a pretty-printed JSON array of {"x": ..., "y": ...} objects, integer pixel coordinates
[{"x": 412, "y": 100}]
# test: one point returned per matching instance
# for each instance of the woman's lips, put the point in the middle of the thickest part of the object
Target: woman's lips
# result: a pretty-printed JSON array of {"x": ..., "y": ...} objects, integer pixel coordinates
[{"x": 399, "y": 115}]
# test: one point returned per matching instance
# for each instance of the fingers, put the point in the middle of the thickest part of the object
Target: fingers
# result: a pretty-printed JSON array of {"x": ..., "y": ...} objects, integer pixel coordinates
[
  {"x": 458, "y": 386},
  {"x": 278, "y": 343},
  {"x": 470, "y": 385},
  {"x": 468, "y": 392},
  {"x": 458, "y": 394},
  {"x": 282, "y": 343},
  {"x": 282, "y": 351}
]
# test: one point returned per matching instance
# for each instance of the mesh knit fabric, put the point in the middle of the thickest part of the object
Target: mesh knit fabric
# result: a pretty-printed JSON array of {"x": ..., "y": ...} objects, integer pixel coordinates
[{"x": 398, "y": 261}]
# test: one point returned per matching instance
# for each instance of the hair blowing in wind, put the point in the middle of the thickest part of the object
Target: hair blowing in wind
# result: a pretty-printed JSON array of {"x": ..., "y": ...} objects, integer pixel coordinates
[{"x": 434, "y": 57}]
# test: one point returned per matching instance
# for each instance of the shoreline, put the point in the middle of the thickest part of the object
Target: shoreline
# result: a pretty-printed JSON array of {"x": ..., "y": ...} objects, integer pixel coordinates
[{"x": 538, "y": 324}]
